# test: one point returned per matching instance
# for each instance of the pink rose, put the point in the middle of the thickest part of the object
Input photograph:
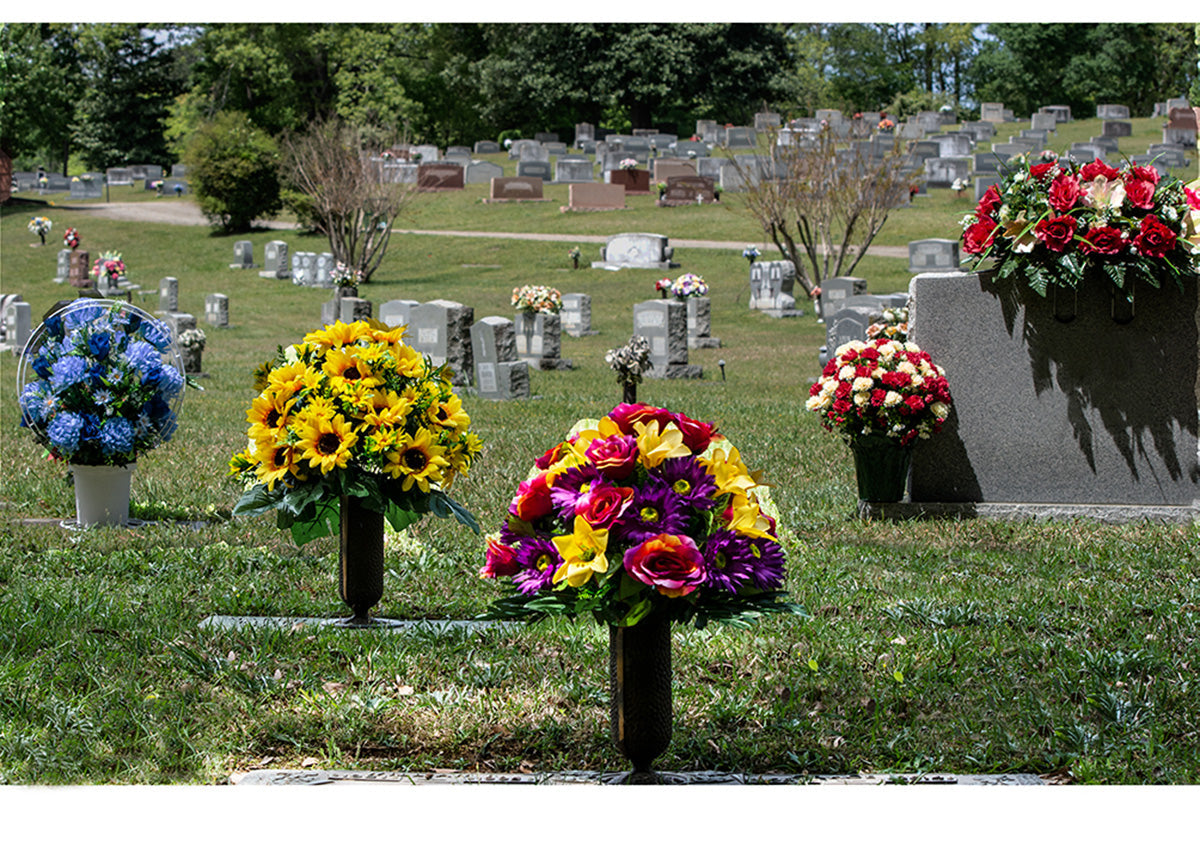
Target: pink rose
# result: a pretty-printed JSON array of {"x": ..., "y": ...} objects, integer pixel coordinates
[
  {"x": 615, "y": 456},
  {"x": 499, "y": 561},
  {"x": 602, "y": 506},
  {"x": 627, "y": 414},
  {"x": 532, "y": 500},
  {"x": 671, "y": 564}
]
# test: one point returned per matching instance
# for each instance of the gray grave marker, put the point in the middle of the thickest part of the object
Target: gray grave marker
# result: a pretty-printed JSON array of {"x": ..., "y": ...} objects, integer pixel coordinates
[
  {"x": 539, "y": 340},
  {"x": 663, "y": 324},
  {"x": 636, "y": 250},
  {"x": 441, "y": 329},
  {"x": 168, "y": 294},
  {"x": 576, "y": 315},
  {"x": 932, "y": 255},
  {"x": 216, "y": 310},
  {"x": 18, "y": 324},
  {"x": 397, "y": 313},
  {"x": 699, "y": 323},
  {"x": 275, "y": 261},
  {"x": 498, "y": 372},
  {"x": 243, "y": 255},
  {"x": 62, "y": 271}
]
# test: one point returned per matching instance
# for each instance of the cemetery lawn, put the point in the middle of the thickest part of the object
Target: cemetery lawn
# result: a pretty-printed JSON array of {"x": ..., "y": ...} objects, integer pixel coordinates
[{"x": 1065, "y": 649}]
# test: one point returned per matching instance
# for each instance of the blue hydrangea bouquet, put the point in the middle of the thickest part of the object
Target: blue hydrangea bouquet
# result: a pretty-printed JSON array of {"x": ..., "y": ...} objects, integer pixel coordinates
[{"x": 100, "y": 383}]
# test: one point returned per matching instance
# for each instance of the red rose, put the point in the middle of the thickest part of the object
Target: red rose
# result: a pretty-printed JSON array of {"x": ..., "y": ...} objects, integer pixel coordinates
[
  {"x": 979, "y": 236},
  {"x": 988, "y": 202},
  {"x": 1104, "y": 240},
  {"x": 815, "y": 389},
  {"x": 532, "y": 500},
  {"x": 869, "y": 353},
  {"x": 1064, "y": 192},
  {"x": 842, "y": 406},
  {"x": 696, "y": 434},
  {"x": 1056, "y": 232},
  {"x": 1096, "y": 169},
  {"x": 1147, "y": 173},
  {"x": 601, "y": 506},
  {"x": 1155, "y": 238},
  {"x": 627, "y": 414},
  {"x": 1038, "y": 172},
  {"x": 1139, "y": 193}
]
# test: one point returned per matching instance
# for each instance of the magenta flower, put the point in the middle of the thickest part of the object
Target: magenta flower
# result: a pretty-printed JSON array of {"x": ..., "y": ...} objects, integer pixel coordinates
[{"x": 671, "y": 564}]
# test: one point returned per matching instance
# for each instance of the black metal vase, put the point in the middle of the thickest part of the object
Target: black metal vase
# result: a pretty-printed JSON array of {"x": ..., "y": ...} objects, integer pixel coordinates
[
  {"x": 360, "y": 560},
  {"x": 881, "y": 466},
  {"x": 639, "y": 681}
]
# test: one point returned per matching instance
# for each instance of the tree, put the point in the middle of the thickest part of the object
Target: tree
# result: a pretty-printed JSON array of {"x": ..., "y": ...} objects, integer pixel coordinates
[
  {"x": 823, "y": 201},
  {"x": 39, "y": 85},
  {"x": 234, "y": 167},
  {"x": 352, "y": 200}
]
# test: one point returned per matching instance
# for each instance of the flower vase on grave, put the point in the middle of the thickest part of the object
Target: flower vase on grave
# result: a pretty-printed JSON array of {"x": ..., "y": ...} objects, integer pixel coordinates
[
  {"x": 881, "y": 466},
  {"x": 102, "y": 494},
  {"x": 360, "y": 560},
  {"x": 1065, "y": 303},
  {"x": 639, "y": 680},
  {"x": 1122, "y": 304}
]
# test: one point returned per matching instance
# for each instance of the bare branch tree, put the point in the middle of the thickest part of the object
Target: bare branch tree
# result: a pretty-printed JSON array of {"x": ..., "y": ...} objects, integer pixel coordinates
[
  {"x": 822, "y": 199},
  {"x": 354, "y": 200}
]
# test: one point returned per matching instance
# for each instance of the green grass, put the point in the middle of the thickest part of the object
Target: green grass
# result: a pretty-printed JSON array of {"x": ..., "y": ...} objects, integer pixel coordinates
[{"x": 967, "y": 646}]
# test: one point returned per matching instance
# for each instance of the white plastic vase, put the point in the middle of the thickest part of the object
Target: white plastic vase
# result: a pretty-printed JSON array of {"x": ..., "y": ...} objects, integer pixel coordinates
[{"x": 102, "y": 494}]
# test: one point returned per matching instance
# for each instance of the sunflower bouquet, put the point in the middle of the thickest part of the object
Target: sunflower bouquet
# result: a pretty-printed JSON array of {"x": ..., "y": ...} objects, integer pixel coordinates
[
  {"x": 642, "y": 510},
  {"x": 353, "y": 411}
]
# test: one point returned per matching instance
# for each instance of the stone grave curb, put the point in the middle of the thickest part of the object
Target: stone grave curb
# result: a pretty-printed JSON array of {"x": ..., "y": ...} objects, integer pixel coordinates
[
  {"x": 1111, "y": 514},
  {"x": 382, "y": 625}
]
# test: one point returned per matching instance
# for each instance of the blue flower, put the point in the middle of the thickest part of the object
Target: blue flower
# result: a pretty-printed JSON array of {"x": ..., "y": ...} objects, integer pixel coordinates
[
  {"x": 143, "y": 357},
  {"x": 64, "y": 431},
  {"x": 42, "y": 363},
  {"x": 54, "y": 326},
  {"x": 156, "y": 333},
  {"x": 67, "y": 371},
  {"x": 116, "y": 436},
  {"x": 80, "y": 313},
  {"x": 33, "y": 402},
  {"x": 99, "y": 343},
  {"x": 171, "y": 381}
]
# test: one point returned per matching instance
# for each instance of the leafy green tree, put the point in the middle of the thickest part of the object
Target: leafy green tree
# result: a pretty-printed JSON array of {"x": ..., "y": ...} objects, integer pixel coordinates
[
  {"x": 129, "y": 82},
  {"x": 40, "y": 82},
  {"x": 234, "y": 168}
]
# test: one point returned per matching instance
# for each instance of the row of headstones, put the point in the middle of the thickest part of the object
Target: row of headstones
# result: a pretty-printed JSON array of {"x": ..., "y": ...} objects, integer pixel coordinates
[{"x": 849, "y": 311}]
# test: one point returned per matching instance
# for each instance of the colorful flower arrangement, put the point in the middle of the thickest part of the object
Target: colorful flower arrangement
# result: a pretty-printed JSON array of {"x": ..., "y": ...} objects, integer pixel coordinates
[
  {"x": 109, "y": 264},
  {"x": 343, "y": 277},
  {"x": 689, "y": 285},
  {"x": 751, "y": 252},
  {"x": 627, "y": 164},
  {"x": 886, "y": 125},
  {"x": 893, "y": 324},
  {"x": 106, "y": 386},
  {"x": 662, "y": 286},
  {"x": 353, "y": 411},
  {"x": 1053, "y": 225},
  {"x": 192, "y": 338},
  {"x": 40, "y": 226},
  {"x": 643, "y": 510},
  {"x": 881, "y": 387},
  {"x": 71, "y": 238},
  {"x": 573, "y": 254},
  {"x": 156, "y": 185},
  {"x": 537, "y": 298}
]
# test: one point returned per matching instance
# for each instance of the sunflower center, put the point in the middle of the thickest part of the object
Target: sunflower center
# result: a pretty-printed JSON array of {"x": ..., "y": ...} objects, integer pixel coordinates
[
  {"x": 415, "y": 460},
  {"x": 280, "y": 458},
  {"x": 328, "y": 443},
  {"x": 352, "y": 373},
  {"x": 273, "y": 417}
]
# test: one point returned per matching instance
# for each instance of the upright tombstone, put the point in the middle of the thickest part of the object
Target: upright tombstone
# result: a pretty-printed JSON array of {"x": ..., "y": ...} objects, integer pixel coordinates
[
  {"x": 397, "y": 313},
  {"x": 993, "y": 112},
  {"x": 848, "y": 323},
  {"x": 499, "y": 374},
  {"x": 764, "y": 121},
  {"x": 275, "y": 261},
  {"x": 481, "y": 171},
  {"x": 1112, "y": 112},
  {"x": 425, "y": 152},
  {"x": 62, "y": 271},
  {"x": 216, "y": 310},
  {"x": 441, "y": 329},
  {"x": 177, "y": 323},
  {"x": 535, "y": 168},
  {"x": 1180, "y": 128},
  {"x": 636, "y": 250},
  {"x": 709, "y": 131},
  {"x": 304, "y": 268},
  {"x": 437, "y": 176},
  {"x": 584, "y": 132},
  {"x": 516, "y": 189},
  {"x": 78, "y": 273},
  {"x": 740, "y": 137},
  {"x": 635, "y": 180},
  {"x": 663, "y": 324},
  {"x": 354, "y": 309},
  {"x": 690, "y": 149},
  {"x": 86, "y": 186},
  {"x": 331, "y": 310},
  {"x": 18, "y": 324},
  {"x": 944, "y": 172},
  {"x": 699, "y": 323},
  {"x": 323, "y": 272},
  {"x": 576, "y": 315},
  {"x": 573, "y": 171},
  {"x": 539, "y": 340},
  {"x": 932, "y": 255},
  {"x": 772, "y": 288},
  {"x": 837, "y": 292},
  {"x": 1043, "y": 120},
  {"x": 168, "y": 294},
  {"x": 485, "y": 147},
  {"x": 663, "y": 169},
  {"x": 682, "y": 189},
  {"x": 119, "y": 177},
  {"x": 243, "y": 255},
  {"x": 1116, "y": 129}
]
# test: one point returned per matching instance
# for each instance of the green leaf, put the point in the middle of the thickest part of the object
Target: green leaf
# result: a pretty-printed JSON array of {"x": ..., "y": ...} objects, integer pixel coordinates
[
  {"x": 813, "y": 665},
  {"x": 1039, "y": 280},
  {"x": 325, "y": 522},
  {"x": 400, "y": 518},
  {"x": 255, "y": 500}
]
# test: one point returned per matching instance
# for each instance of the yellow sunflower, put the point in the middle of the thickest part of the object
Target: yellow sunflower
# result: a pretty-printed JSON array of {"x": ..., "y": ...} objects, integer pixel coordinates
[
  {"x": 348, "y": 365},
  {"x": 290, "y": 378},
  {"x": 269, "y": 413},
  {"x": 448, "y": 413},
  {"x": 388, "y": 409},
  {"x": 275, "y": 462},
  {"x": 418, "y": 460},
  {"x": 380, "y": 332},
  {"x": 409, "y": 362},
  {"x": 338, "y": 334},
  {"x": 325, "y": 440}
]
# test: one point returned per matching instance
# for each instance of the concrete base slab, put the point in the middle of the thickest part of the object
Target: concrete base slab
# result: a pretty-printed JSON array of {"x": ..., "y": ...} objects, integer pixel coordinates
[
  {"x": 313, "y": 778},
  {"x": 1112, "y": 514},
  {"x": 392, "y": 626},
  {"x": 783, "y": 313}
]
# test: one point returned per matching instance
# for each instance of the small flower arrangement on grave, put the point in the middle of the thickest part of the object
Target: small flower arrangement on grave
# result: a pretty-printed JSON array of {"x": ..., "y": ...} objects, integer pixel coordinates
[
  {"x": 40, "y": 226},
  {"x": 627, "y": 164},
  {"x": 886, "y": 125},
  {"x": 109, "y": 264},
  {"x": 343, "y": 277},
  {"x": 643, "y": 510},
  {"x": 353, "y": 411},
  {"x": 537, "y": 298},
  {"x": 106, "y": 383},
  {"x": 1052, "y": 226},
  {"x": 751, "y": 252},
  {"x": 573, "y": 254},
  {"x": 630, "y": 360},
  {"x": 689, "y": 285},
  {"x": 71, "y": 238},
  {"x": 959, "y": 185},
  {"x": 192, "y": 338},
  {"x": 156, "y": 185},
  {"x": 893, "y": 324},
  {"x": 662, "y": 286},
  {"x": 882, "y": 386}
]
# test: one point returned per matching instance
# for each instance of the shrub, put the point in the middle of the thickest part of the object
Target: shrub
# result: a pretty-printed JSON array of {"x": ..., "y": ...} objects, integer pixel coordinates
[{"x": 234, "y": 168}]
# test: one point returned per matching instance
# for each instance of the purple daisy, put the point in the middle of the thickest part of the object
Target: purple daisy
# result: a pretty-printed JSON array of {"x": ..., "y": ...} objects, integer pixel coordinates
[
  {"x": 655, "y": 510},
  {"x": 730, "y": 560},
  {"x": 689, "y": 481},
  {"x": 768, "y": 571},
  {"x": 569, "y": 486},
  {"x": 539, "y": 559}
]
